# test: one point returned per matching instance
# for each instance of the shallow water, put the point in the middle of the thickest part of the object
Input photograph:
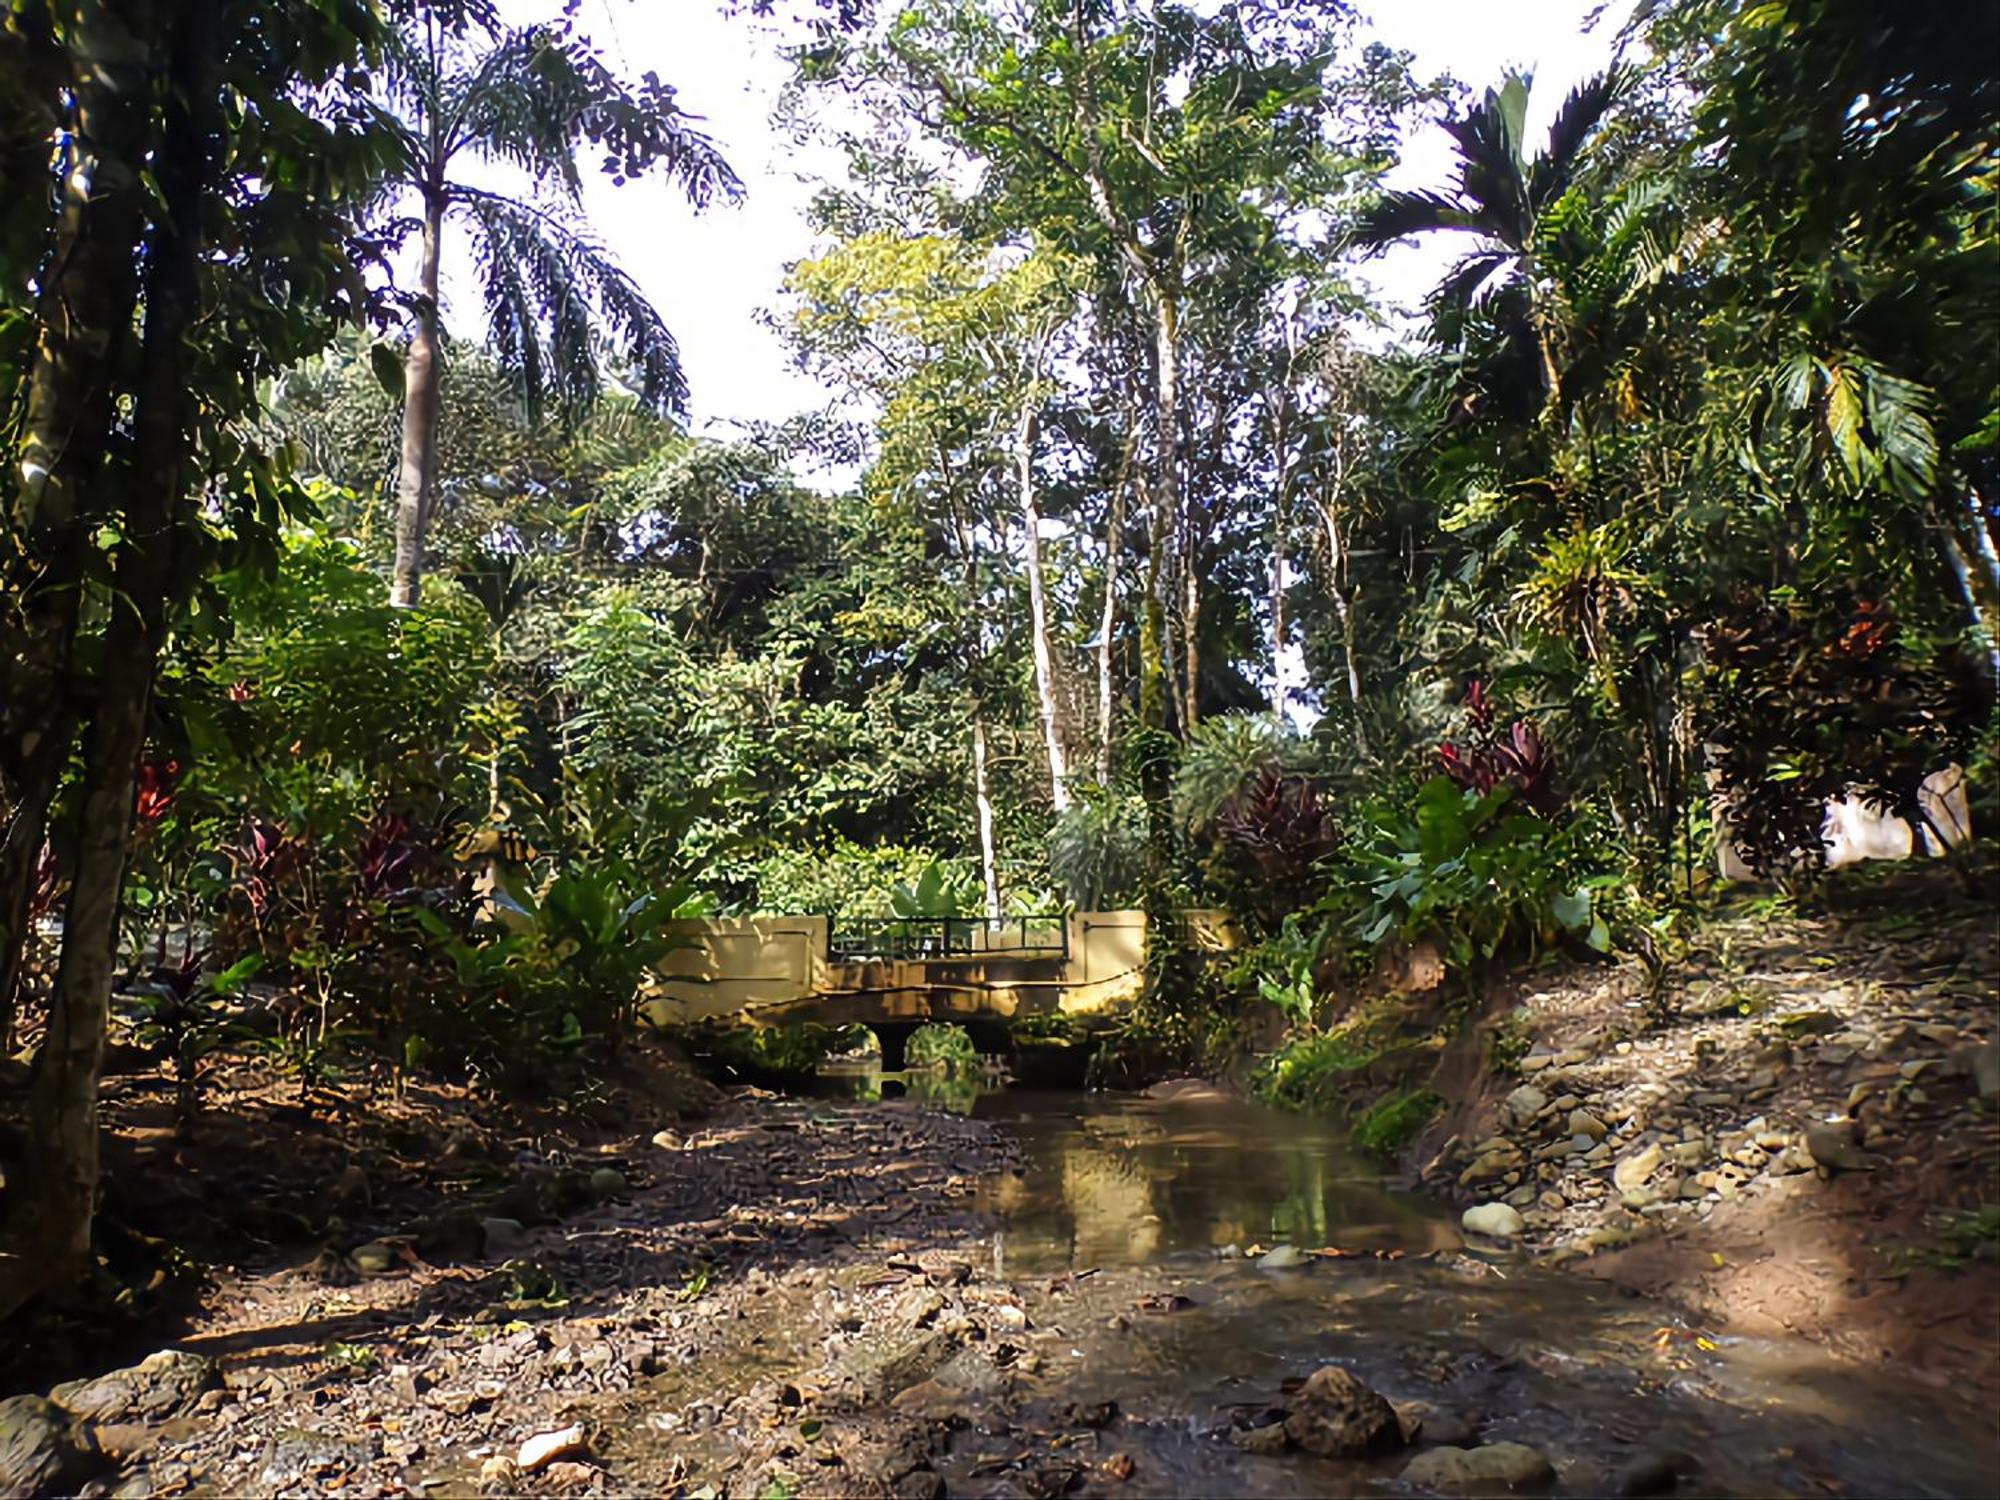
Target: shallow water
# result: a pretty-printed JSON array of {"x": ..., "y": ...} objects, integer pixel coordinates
[{"x": 1124, "y": 1202}]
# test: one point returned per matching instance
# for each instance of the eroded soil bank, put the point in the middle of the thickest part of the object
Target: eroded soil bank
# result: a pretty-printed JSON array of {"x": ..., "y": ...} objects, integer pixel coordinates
[
  {"x": 1101, "y": 1296},
  {"x": 1793, "y": 1132}
]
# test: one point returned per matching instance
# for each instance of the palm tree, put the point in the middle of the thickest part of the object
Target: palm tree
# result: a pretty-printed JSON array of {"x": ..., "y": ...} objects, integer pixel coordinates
[
  {"x": 461, "y": 86},
  {"x": 1503, "y": 196}
]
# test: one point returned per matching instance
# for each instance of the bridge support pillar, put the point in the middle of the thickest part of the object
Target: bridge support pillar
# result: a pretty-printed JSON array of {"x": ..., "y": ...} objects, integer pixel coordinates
[{"x": 894, "y": 1040}]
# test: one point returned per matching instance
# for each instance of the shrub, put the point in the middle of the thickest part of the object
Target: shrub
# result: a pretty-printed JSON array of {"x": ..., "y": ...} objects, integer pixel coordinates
[
  {"x": 1396, "y": 1119},
  {"x": 950, "y": 1046},
  {"x": 1097, "y": 850}
]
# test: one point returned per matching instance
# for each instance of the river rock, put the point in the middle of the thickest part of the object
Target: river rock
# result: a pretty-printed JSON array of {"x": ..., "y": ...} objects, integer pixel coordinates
[
  {"x": 1831, "y": 1144},
  {"x": 1983, "y": 1063},
  {"x": 376, "y": 1257},
  {"x": 501, "y": 1237},
  {"x": 1583, "y": 1122},
  {"x": 1282, "y": 1258},
  {"x": 1336, "y": 1416},
  {"x": 1494, "y": 1220},
  {"x": 1265, "y": 1440},
  {"x": 160, "y": 1387},
  {"x": 1652, "y": 1474},
  {"x": 1524, "y": 1104},
  {"x": 41, "y": 1451},
  {"x": 607, "y": 1182},
  {"x": 1489, "y": 1469},
  {"x": 666, "y": 1140},
  {"x": 546, "y": 1447},
  {"x": 1632, "y": 1171}
]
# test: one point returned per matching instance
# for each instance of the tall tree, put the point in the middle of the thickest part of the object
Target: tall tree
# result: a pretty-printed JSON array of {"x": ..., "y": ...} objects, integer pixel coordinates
[
  {"x": 1165, "y": 143},
  {"x": 461, "y": 87},
  {"x": 233, "y": 256}
]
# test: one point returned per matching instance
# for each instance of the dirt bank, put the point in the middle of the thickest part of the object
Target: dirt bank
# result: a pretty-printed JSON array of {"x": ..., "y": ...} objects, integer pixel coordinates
[{"x": 1795, "y": 1132}]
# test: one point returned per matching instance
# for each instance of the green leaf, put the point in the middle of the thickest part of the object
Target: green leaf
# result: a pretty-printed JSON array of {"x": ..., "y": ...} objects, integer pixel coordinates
[{"x": 387, "y": 366}]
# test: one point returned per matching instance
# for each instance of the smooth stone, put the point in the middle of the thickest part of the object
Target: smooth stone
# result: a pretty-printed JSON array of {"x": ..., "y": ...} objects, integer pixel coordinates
[
  {"x": 374, "y": 1257},
  {"x": 1494, "y": 1220},
  {"x": 1282, "y": 1258},
  {"x": 546, "y": 1447},
  {"x": 502, "y": 1236},
  {"x": 1632, "y": 1172},
  {"x": 1524, "y": 1104},
  {"x": 1476, "y": 1471},
  {"x": 1831, "y": 1144},
  {"x": 607, "y": 1182},
  {"x": 1583, "y": 1122}
]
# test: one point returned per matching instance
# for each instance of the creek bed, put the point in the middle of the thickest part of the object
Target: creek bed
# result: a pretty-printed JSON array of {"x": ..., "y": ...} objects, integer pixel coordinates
[{"x": 1130, "y": 1231}]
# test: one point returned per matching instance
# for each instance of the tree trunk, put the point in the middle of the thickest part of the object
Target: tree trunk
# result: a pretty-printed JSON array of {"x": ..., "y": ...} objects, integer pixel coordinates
[
  {"x": 1114, "y": 545},
  {"x": 1166, "y": 435},
  {"x": 1038, "y": 609},
  {"x": 416, "y": 474},
  {"x": 87, "y": 292},
  {"x": 1977, "y": 611},
  {"x": 982, "y": 798},
  {"x": 63, "y": 1107},
  {"x": 1191, "y": 594},
  {"x": 1336, "y": 565},
  {"x": 1278, "y": 695},
  {"x": 19, "y": 856}
]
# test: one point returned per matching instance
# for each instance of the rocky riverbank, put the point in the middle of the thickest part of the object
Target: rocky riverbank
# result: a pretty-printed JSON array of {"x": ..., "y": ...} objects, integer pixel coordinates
[
  {"x": 1794, "y": 1131},
  {"x": 501, "y": 1364}
]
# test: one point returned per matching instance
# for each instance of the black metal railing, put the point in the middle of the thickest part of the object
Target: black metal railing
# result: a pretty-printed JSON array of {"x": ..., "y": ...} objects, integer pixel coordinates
[{"x": 947, "y": 937}]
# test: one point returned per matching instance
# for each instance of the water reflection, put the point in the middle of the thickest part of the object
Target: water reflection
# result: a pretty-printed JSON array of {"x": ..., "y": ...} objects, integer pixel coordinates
[{"x": 1124, "y": 1180}]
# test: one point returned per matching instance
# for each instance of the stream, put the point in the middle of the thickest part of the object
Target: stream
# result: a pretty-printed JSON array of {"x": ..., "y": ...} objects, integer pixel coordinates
[{"x": 1132, "y": 1231}]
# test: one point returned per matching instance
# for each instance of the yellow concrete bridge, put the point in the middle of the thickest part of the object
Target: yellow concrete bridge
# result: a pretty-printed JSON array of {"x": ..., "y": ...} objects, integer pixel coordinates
[{"x": 895, "y": 974}]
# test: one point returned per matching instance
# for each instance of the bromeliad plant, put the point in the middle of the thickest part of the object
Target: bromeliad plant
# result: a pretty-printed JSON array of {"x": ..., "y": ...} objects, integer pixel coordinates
[{"x": 1489, "y": 758}]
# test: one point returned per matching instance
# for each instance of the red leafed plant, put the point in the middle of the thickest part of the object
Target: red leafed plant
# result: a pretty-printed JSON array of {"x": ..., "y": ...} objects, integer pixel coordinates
[
  {"x": 1280, "y": 828},
  {"x": 157, "y": 781},
  {"x": 1490, "y": 757}
]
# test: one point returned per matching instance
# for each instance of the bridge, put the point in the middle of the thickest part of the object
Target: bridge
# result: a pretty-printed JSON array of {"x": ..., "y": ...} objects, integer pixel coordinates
[{"x": 894, "y": 974}]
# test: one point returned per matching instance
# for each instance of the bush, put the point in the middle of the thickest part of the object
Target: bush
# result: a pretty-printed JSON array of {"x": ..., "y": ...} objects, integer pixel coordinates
[
  {"x": 1472, "y": 872},
  {"x": 1097, "y": 850},
  {"x": 1396, "y": 1119},
  {"x": 945, "y": 1045}
]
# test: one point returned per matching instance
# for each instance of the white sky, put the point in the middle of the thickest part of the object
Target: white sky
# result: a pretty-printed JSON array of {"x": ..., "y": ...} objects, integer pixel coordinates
[{"x": 710, "y": 274}]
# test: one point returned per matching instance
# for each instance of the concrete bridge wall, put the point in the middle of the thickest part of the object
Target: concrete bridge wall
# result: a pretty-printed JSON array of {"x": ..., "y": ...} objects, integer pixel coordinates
[{"x": 761, "y": 971}]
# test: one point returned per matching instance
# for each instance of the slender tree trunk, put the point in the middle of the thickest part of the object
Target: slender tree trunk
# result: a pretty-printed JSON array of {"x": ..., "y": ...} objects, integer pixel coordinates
[
  {"x": 982, "y": 799},
  {"x": 20, "y": 854},
  {"x": 1278, "y": 694},
  {"x": 1166, "y": 436},
  {"x": 1336, "y": 588},
  {"x": 1191, "y": 596},
  {"x": 1975, "y": 607},
  {"x": 1038, "y": 608},
  {"x": 416, "y": 474},
  {"x": 1107, "y": 655},
  {"x": 63, "y": 1107}
]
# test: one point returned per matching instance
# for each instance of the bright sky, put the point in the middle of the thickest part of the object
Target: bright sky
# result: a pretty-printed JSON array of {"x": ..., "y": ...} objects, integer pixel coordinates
[{"x": 710, "y": 274}]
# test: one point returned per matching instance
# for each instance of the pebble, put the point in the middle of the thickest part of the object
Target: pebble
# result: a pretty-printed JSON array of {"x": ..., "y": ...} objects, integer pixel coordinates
[{"x": 546, "y": 1447}]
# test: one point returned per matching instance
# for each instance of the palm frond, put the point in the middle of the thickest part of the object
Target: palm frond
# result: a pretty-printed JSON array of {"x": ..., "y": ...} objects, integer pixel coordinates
[
  {"x": 1396, "y": 216},
  {"x": 547, "y": 285},
  {"x": 540, "y": 94},
  {"x": 1588, "y": 103}
]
